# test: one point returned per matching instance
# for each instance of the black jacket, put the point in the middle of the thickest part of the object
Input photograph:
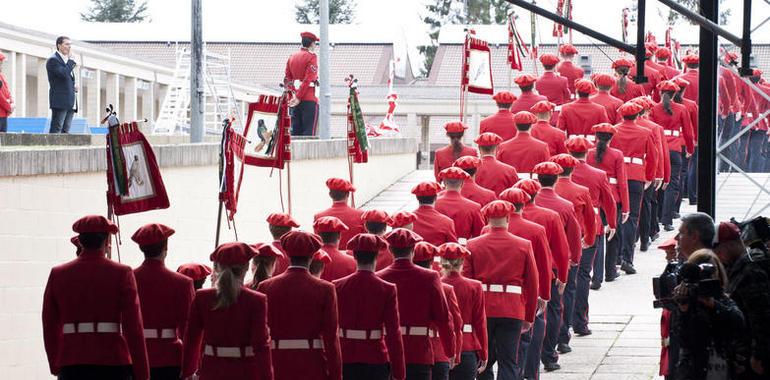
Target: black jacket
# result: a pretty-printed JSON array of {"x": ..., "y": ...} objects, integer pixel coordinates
[
  {"x": 61, "y": 80},
  {"x": 749, "y": 287}
]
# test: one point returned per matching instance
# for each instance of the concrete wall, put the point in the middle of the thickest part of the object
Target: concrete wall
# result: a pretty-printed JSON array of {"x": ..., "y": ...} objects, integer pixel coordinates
[{"x": 37, "y": 212}]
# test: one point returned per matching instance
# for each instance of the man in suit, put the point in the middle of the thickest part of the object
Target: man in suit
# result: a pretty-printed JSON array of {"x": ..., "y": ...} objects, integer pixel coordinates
[{"x": 62, "y": 88}]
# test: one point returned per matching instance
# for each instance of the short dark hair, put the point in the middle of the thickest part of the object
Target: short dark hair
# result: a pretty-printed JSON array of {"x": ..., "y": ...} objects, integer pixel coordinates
[
  {"x": 486, "y": 148},
  {"x": 60, "y": 40},
  {"x": 300, "y": 261},
  {"x": 578, "y": 155},
  {"x": 566, "y": 171},
  {"x": 364, "y": 257},
  {"x": 307, "y": 41},
  {"x": 527, "y": 88},
  {"x": 329, "y": 237},
  {"x": 583, "y": 94},
  {"x": 338, "y": 195},
  {"x": 631, "y": 117},
  {"x": 701, "y": 223},
  {"x": 604, "y": 88},
  {"x": 198, "y": 284},
  {"x": 375, "y": 227},
  {"x": 549, "y": 67},
  {"x": 693, "y": 65},
  {"x": 452, "y": 182},
  {"x": 471, "y": 171},
  {"x": 523, "y": 127},
  {"x": 504, "y": 105},
  {"x": 426, "y": 199},
  {"x": 401, "y": 252},
  {"x": 92, "y": 240},
  {"x": 546, "y": 179},
  {"x": 278, "y": 231},
  {"x": 316, "y": 266},
  {"x": 424, "y": 264},
  {"x": 152, "y": 251},
  {"x": 458, "y": 135}
]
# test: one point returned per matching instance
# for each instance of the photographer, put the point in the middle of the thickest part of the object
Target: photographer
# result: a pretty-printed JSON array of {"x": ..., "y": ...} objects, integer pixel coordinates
[{"x": 708, "y": 324}]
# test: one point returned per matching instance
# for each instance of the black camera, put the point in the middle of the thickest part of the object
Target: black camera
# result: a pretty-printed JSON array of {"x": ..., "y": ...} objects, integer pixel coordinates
[
  {"x": 754, "y": 232},
  {"x": 663, "y": 286},
  {"x": 697, "y": 280}
]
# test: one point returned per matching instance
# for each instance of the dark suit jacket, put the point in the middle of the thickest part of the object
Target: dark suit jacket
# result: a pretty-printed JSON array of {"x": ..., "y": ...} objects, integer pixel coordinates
[{"x": 61, "y": 80}]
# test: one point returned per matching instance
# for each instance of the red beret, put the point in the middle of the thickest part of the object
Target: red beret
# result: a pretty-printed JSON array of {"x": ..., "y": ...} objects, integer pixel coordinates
[
  {"x": 504, "y": 97},
  {"x": 651, "y": 47},
  {"x": 515, "y": 195},
  {"x": 531, "y": 186},
  {"x": 322, "y": 256},
  {"x": 376, "y": 216},
  {"x": 549, "y": 59},
  {"x": 497, "y": 209},
  {"x": 565, "y": 160},
  {"x": 681, "y": 82},
  {"x": 542, "y": 107},
  {"x": 309, "y": 35},
  {"x": 731, "y": 57},
  {"x": 645, "y": 101},
  {"x": 282, "y": 220},
  {"x": 524, "y": 117},
  {"x": 525, "y": 80},
  {"x": 453, "y": 251},
  {"x": 578, "y": 144},
  {"x": 467, "y": 162},
  {"x": 691, "y": 59},
  {"x": 585, "y": 86},
  {"x": 668, "y": 86},
  {"x": 340, "y": 184},
  {"x": 756, "y": 73},
  {"x": 567, "y": 49},
  {"x": 604, "y": 80},
  {"x": 267, "y": 250},
  {"x": 488, "y": 139},
  {"x": 402, "y": 218},
  {"x": 235, "y": 253},
  {"x": 300, "y": 243},
  {"x": 402, "y": 238},
  {"x": 329, "y": 224},
  {"x": 603, "y": 128},
  {"x": 424, "y": 251},
  {"x": 153, "y": 233},
  {"x": 366, "y": 243},
  {"x": 426, "y": 189},
  {"x": 630, "y": 108},
  {"x": 727, "y": 232},
  {"x": 622, "y": 62},
  {"x": 453, "y": 173},
  {"x": 94, "y": 224},
  {"x": 194, "y": 271},
  {"x": 663, "y": 53},
  {"x": 455, "y": 127},
  {"x": 547, "y": 168},
  {"x": 668, "y": 244}
]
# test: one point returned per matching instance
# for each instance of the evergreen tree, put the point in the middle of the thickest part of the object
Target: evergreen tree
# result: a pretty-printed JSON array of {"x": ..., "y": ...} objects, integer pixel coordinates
[
  {"x": 340, "y": 11},
  {"x": 116, "y": 11}
]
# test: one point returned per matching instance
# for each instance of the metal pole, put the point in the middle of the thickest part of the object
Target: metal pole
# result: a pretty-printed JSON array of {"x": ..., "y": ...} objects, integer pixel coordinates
[
  {"x": 640, "y": 50},
  {"x": 745, "y": 69},
  {"x": 707, "y": 101},
  {"x": 196, "y": 74},
  {"x": 324, "y": 109}
]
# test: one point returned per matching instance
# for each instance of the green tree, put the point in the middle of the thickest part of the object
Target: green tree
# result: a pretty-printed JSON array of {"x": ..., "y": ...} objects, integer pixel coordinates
[
  {"x": 340, "y": 11},
  {"x": 116, "y": 11}
]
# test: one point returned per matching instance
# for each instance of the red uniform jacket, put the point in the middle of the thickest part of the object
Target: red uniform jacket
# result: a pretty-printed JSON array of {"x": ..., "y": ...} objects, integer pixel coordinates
[
  {"x": 6, "y": 99},
  {"x": 557, "y": 237},
  {"x": 523, "y": 152},
  {"x": 548, "y": 198},
  {"x": 554, "y": 87},
  {"x": 726, "y": 103},
  {"x": 367, "y": 303},
  {"x": 612, "y": 164},
  {"x": 568, "y": 70},
  {"x": 676, "y": 127},
  {"x": 465, "y": 213},
  {"x": 93, "y": 290},
  {"x": 525, "y": 101},
  {"x": 731, "y": 87},
  {"x": 470, "y": 298},
  {"x": 439, "y": 355},
  {"x": 421, "y": 303},
  {"x": 598, "y": 185},
  {"x": 639, "y": 151},
  {"x": 342, "y": 264},
  {"x": 165, "y": 297},
  {"x": 663, "y": 169},
  {"x": 500, "y": 123},
  {"x": 584, "y": 208},
  {"x": 633, "y": 90},
  {"x": 554, "y": 137},
  {"x": 384, "y": 258},
  {"x": 433, "y": 226},
  {"x": 444, "y": 157},
  {"x": 281, "y": 263},
  {"x": 610, "y": 104},
  {"x": 510, "y": 279},
  {"x": 692, "y": 111},
  {"x": 348, "y": 215},
  {"x": 495, "y": 175},
  {"x": 578, "y": 117},
  {"x": 302, "y": 307},
  {"x": 242, "y": 325},
  {"x": 303, "y": 66},
  {"x": 691, "y": 91},
  {"x": 476, "y": 193},
  {"x": 535, "y": 233},
  {"x": 669, "y": 72},
  {"x": 653, "y": 78}
]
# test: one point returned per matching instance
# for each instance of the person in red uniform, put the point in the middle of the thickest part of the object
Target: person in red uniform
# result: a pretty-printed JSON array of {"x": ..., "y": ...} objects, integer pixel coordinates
[
  {"x": 523, "y": 152},
  {"x": 329, "y": 229},
  {"x": 465, "y": 213},
  {"x": 292, "y": 298},
  {"x": 470, "y": 298},
  {"x": 566, "y": 68},
  {"x": 370, "y": 328},
  {"x": 339, "y": 192},
  {"x": 227, "y": 334},
  {"x": 604, "y": 83},
  {"x": 433, "y": 226},
  {"x": 92, "y": 324},
  {"x": 552, "y": 85},
  {"x": 757, "y": 141},
  {"x": 263, "y": 263},
  {"x": 318, "y": 263},
  {"x": 505, "y": 265},
  {"x": 624, "y": 88},
  {"x": 527, "y": 98},
  {"x": 577, "y": 118},
  {"x": 165, "y": 298},
  {"x": 376, "y": 223},
  {"x": 662, "y": 55},
  {"x": 280, "y": 224},
  {"x": 195, "y": 272},
  {"x": 421, "y": 304},
  {"x": 301, "y": 77},
  {"x": 500, "y": 123},
  {"x": 692, "y": 63},
  {"x": 403, "y": 219},
  {"x": 471, "y": 189},
  {"x": 744, "y": 106},
  {"x": 6, "y": 99},
  {"x": 444, "y": 157},
  {"x": 493, "y": 174},
  {"x": 653, "y": 76},
  {"x": 651, "y": 61},
  {"x": 544, "y": 131},
  {"x": 691, "y": 169}
]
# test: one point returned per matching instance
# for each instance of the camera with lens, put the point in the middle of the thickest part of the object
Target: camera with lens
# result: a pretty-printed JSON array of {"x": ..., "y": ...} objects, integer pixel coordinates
[
  {"x": 697, "y": 280},
  {"x": 755, "y": 232},
  {"x": 663, "y": 286}
]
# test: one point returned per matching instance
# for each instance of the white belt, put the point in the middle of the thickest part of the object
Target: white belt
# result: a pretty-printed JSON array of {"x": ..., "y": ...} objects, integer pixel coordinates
[
  {"x": 90, "y": 327},
  {"x": 228, "y": 352},
  {"x": 524, "y": 175},
  {"x": 633, "y": 160},
  {"x": 587, "y": 137},
  {"x": 496, "y": 288},
  {"x": 433, "y": 333},
  {"x": 671, "y": 132},
  {"x": 613, "y": 181},
  {"x": 437, "y": 259},
  {"x": 415, "y": 331},
  {"x": 297, "y": 344},
  {"x": 360, "y": 334},
  {"x": 596, "y": 210},
  {"x": 159, "y": 333},
  {"x": 557, "y": 108},
  {"x": 467, "y": 328},
  {"x": 749, "y": 114}
]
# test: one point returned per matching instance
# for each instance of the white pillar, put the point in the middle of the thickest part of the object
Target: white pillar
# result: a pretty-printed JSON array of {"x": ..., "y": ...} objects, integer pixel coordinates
[
  {"x": 412, "y": 128},
  {"x": 20, "y": 92},
  {"x": 113, "y": 90},
  {"x": 42, "y": 89},
  {"x": 93, "y": 95},
  {"x": 129, "y": 104},
  {"x": 148, "y": 106}
]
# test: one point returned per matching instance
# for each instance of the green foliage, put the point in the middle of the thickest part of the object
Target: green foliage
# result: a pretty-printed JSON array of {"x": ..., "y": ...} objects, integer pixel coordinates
[
  {"x": 116, "y": 11},
  {"x": 340, "y": 11}
]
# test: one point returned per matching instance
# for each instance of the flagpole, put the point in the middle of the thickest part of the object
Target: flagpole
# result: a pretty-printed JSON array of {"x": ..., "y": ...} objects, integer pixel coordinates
[{"x": 219, "y": 224}]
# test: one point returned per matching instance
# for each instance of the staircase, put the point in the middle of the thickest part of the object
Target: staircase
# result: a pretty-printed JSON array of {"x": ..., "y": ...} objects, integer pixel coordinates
[{"x": 175, "y": 112}]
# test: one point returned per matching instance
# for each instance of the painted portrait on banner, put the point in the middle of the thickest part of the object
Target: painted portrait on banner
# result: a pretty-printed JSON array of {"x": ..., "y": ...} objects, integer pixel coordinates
[
  {"x": 261, "y": 135},
  {"x": 139, "y": 184}
]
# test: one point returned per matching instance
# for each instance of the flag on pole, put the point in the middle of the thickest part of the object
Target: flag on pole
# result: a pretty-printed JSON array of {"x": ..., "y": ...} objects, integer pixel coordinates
[
  {"x": 358, "y": 145},
  {"x": 477, "y": 65},
  {"x": 231, "y": 166}
]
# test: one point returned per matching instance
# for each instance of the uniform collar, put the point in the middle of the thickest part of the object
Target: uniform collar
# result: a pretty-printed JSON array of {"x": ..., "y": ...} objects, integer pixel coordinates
[
  {"x": 452, "y": 193},
  {"x": 340, "y": 203},
  {"x": 488, "y": 157},
  {"x": 582, "y": 100},
  {"x": 564, "y": 179},
  {"x": 515, "y": 215},
  {"x": 502, "y": 110},
  {"x": 334, "y": 247},
  {"x": 548, "y": 74},
  {"x": 426, "y": 207},
  {"x": 153, "y": 263},
  {"x": 453, "y": 274},
  {"x": 92, "y": 254},
  {"x": 297, "y": 269},
  {"x": 497, "y": 229}
]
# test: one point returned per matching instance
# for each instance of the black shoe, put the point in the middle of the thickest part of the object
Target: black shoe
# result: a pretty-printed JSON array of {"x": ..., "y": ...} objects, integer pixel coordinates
[
  {"x": 654, "y": 237},
  {"x": 612, "y": 277},
  {"x": 676, "y": 215},
  {"x": 595, "y": 286},
  {"x": 628, "y": 268},
  {"x": 644, "y": 246},
  {"x": 563, "y": 348},
  {"x": 585, "y": 332},
  {"x": 668, "y": 227},
  {"x": 550, "y": 367}
]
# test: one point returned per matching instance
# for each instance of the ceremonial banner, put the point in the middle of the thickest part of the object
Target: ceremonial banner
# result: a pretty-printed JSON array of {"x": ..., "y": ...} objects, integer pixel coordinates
[
  {"x": 358, "y": 146},
  {"x": 477, "y": 66},
  {"x": 516, "y": 46},
  {"x": 134, "y": 183},
  {"x": 231, "y": 156},
  {"x": 268, "y": 139}
]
